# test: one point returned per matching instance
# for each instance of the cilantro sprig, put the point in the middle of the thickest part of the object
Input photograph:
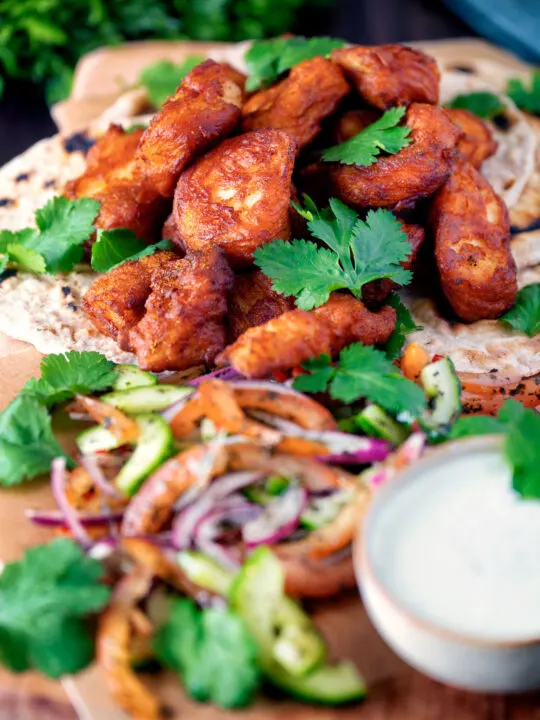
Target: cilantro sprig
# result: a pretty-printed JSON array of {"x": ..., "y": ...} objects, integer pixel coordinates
[
  {"x": 404, "y": 326},
  {"x": 212, "y": 651},
  {"x": 384, "y": 135},
  {"x": 356, "y": 253},
  {"x": 45, "y": 600},
  {"x": 483, "y": 104},
  {"x": 163, "y": 77},
  {"x": 362, "y": 372},
  {"x": 115, "y": 247},
  {"x": 525, "y": 314},
  {"x": 526, "y": 95},
  {"x": 267, "y": 59}
]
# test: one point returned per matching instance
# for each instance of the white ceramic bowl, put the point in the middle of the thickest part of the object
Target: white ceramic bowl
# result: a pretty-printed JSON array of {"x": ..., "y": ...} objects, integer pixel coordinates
[{"x": 451, "y": 657}]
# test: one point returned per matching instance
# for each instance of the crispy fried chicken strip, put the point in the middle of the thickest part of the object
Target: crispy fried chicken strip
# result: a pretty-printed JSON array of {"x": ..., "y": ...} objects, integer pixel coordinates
[
  {"x": 115, "y": 301},
  {"x": 204, "y": 109},
  {"x": 237, "y": 196},
  {"x": 477, "y": 143},
  {"x": 413, "y": 173},
  {"x": 388, "y": 75},
  {"x": 113, "y": 178},
  {"x": 253, "y": 302},
  {"x": 298, "y": 104},
  {"x": 184, "y": 322},
  {"x": 472, "y": 246},
  {"x": 297, "y": 335}
]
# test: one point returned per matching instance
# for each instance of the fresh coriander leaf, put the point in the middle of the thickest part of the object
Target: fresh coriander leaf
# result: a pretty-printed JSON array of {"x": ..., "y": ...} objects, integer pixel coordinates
[
  {"x": 73, "y": 372},
  {"x": 466, "y": 426},
  {"x": 485, "y": 105},
  {"x": 525, "y": 315},
  {"x": 44, "y": 600},
  {"x": 404, "y": 326},
  {"x": 384, "y": 135},
  {"x": 212, "y": 651},
  {"x": 303, "y": 49},
  {"x": 162, "y": 78},
  {"x": 320, "y": 372},
  {"x": 526, "y": 95},
  {"x": 27, "y": 443},
  {"x": 26, "y": 258},
  {"x": 114, "y": 247},
  {"x": 522, "y": 449},
  {"x": 3, "y": 261}
]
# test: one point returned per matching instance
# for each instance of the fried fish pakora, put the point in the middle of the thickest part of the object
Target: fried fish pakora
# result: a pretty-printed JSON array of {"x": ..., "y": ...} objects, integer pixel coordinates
[
  {"x": 205, "y": 108},
  {"x": 388, "y": 75},
  {"x": 413, "y": 173},
  {"x": 472, "y": 246},
  {"x": 237, "y": 196},
  {"x": 113, "y": 178},
  {"x": 298, "y": 104},
  {"x": 297, "y": 335},
  {"x": 115, "y": 301},
  {"x": 184, "y": 322},
  {"x": 253, "y": 302},
  {"x": 477, "y": 143}
]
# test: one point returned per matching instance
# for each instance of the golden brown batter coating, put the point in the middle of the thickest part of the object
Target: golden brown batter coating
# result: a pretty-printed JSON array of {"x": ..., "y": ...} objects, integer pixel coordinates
[
  {"x": 253, "y": 302},
  {"x": 388, "y": 75},
  {"x": 184, "y": 322},
  {"x": 237, "y": 196},
  {"x": 115, "y": 301},
  {"x": 297, "y": 335},
  {"x": 477, "y": 143},
  {"x": 204, "y": 109},
  {"x": 298, "y": 104},
  {"x": 472, "y": 246}
]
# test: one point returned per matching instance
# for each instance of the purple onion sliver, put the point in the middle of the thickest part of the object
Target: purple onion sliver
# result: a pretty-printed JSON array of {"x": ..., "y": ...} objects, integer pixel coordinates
[
  {"x": 280, "y": 517},
  {"x": 377, "y": 452},
  {"x": 226, "y": 373},
  {"x": 91, "y": 466},
  {"x": 58, "y": 487},
  {"x": 55, "y": 518},
  {"x": 172, "y": 411}
]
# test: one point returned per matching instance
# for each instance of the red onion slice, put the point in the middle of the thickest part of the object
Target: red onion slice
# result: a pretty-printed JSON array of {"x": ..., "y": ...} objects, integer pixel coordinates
[
  {"x": 280, "y": 517},
  {"x": 58, "y": 486},
  {"x": 227, "y": 373},
  {"x": 90, "y": 464},
  {"x": 55, "y": 518}
]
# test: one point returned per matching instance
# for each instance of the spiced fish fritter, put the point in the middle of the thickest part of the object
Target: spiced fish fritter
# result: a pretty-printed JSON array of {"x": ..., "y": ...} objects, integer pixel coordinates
[
  {"x": 184, "y": 320},
  {"x": 113, "y": 178},
  {"x": 472, "y": 246},
  {"x": 237, "y": 196},
  {"x": 298, "y": 104},
  {"x": 477, "y": 143},
  {"x": 389, "y": 75},
  {"x": 411, "y": 174},
  {"x": 253, "y": 302},
  {"x": 204, "y": 109},
  {"x": 115, "y": 301},
  {"x": 297, "y": 335}
]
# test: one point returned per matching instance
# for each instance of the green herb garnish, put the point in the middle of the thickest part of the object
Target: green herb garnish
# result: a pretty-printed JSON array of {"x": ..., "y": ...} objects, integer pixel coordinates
[
  {"x": 483, "y": 104},
  {"x": 114, "y": 247},
  {"x": 525, "y": 314},
  {"x": 526, "y": 95},
  {"x": 163, "y": 77},
  {"x": 404, "y": 326}
]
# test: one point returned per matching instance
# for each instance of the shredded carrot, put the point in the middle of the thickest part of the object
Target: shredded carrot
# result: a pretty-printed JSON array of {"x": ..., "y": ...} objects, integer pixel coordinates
[{"x": 414, "y": 360}]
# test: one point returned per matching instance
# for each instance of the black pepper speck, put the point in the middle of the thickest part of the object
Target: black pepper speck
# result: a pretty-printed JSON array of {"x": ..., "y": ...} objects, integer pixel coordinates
[
  {"x": 66, "y": 290},
  {"x": 78, "y": 142},
  {"x": 49, "y": 184},
  {"x": 7, "y": 202},
  {"x": 21, "y": 177}
]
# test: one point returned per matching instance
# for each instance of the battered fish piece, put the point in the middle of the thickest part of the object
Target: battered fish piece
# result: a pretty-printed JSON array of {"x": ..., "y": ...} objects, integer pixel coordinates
[
  {"x": 184, "y": 322},
  {"x": 115, "y": 301},
  {"x": 413, "y": 173},
  {"x": 113, "y": 178},
  {"x": 298, "y": 104},
  {"x": 204, "y": 109},
  {"x": 389, "y": 75},
  {"x": 477, "y": 143},
  {"x": 472, "y": 246},
  {"x": 237, "y": 196},
  {"x": 253, "y": 302},
  {"x": 297, "y": 335}
]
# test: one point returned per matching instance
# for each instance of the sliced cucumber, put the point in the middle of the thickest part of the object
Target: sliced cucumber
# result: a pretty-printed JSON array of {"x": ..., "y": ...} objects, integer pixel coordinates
[
  {"x": 329, "y": 684},
  {"x": 322, "y": 510},
  {"x": 96, "y": 439},
  {"x": 298, "y": 646},
  {"x": 442, "y": 386},
  {"x": 153, "y": 447},
  {"x": 131, "y": 376},
  {"x": 376, "y": 422},
  {"x": 205, "y": 572},
  {"x": 146, "y": 399},
  {"x": 262, "y": 493}
]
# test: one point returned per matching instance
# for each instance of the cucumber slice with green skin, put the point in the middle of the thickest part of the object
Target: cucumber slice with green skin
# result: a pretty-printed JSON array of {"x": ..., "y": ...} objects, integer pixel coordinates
[
  {"x": 323, "y": 510},
  {"x": 153, "y": 447},
  {"x": 205, "y": 572},
  {"x": 96, "y": 439},
  {"x": 146, "y": 399},
  {"x": 376, "y": 422},
  {"x": 443, "y": 387},
  {"x": 130, "y": 376},
  {"x": 298, "y": 647},
  {"x": 262, "y": 493}
]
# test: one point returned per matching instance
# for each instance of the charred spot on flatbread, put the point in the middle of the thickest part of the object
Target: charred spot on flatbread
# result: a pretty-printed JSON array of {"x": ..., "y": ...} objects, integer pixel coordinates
[
  {"x": 533, "y": 225},
  {"x": 78, "y": 142},
  {"x": 504, "y": 122},
  {"x": 7, "y": 202},
  {"x": 7, "y": 274},
  {"x": 467, "y": 69},
  {"x": 49, "y": 184},
  {"x": 22, "y": 177}
]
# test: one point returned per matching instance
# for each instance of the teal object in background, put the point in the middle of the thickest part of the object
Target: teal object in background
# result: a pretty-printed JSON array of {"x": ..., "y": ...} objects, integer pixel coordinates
[{"x": 513, "y": 24}]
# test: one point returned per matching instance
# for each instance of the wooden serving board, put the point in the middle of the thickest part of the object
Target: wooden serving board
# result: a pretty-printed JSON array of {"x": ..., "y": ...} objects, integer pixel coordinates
[{"x": 396, "y": 691}]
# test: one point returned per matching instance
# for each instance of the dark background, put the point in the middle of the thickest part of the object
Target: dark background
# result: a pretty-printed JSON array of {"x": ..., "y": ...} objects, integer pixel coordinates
[{"x": 24, "y": 117}]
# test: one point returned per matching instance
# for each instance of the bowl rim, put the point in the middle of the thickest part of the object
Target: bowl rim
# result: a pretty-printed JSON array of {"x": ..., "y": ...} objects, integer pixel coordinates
[{"x": 364, "y": 566}]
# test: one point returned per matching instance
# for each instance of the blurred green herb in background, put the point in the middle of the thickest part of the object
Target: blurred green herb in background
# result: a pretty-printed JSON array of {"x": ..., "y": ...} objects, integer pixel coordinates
[{"x": 41, "y": 40}]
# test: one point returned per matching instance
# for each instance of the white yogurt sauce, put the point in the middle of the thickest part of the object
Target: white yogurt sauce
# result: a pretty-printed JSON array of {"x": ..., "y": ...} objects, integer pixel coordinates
[{"x": 459, "y": 548}]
